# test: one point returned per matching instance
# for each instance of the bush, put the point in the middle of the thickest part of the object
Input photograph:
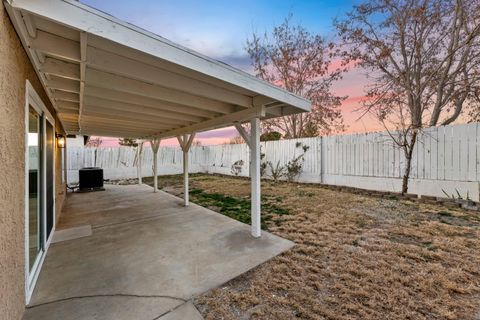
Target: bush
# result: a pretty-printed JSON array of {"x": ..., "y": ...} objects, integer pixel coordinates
[{"x": 271, "y": 136}]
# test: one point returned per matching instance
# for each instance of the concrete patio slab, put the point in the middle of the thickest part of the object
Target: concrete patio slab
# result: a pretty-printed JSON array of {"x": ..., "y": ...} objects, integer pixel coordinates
[
  {"x": 147, "y": 253},
  {"x": 72, "y": 233}
]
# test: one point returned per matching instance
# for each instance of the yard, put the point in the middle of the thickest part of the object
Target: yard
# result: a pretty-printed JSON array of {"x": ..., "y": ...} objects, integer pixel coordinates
[{"x": 356, "y": 256}]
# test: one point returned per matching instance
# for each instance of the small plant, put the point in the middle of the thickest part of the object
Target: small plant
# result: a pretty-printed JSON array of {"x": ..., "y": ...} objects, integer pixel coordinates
[
  {"x": 263, "y": 165},
  {"x": 277, "y": 171},
  {"x": 294, "y": 167},
  {"x": 236, "y": 168},
  {"x": 458, "y": 197}
]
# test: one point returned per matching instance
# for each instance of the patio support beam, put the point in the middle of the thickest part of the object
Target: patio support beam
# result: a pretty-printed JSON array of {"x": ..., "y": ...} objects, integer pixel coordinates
[
  {"x": 63, "y": 85},
  {"x": 56, "y": 46},
  {"x": 255, "y": 176},
  {"x": 218, "y": 122},
  {"x": 243, "y": 133},
  {"x": 100, "y": 79},
  {"x": 155, "y": 143},
  {"x": 114, "y": 63},
  {"x": 185, "y": 142},
  {"x": 60, "y": 69}
]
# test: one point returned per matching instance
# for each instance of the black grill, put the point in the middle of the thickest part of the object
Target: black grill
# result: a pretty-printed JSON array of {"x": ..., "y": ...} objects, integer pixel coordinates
[{"x": 90, "y": 178}]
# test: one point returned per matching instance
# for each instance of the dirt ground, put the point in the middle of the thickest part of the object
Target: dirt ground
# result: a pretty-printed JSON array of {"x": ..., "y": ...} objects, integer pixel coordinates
[{"x": 356, "y": 257}]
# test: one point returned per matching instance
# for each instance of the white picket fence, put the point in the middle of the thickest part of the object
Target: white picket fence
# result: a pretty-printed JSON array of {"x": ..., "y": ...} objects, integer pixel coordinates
[{"x": 446, "y": 160}]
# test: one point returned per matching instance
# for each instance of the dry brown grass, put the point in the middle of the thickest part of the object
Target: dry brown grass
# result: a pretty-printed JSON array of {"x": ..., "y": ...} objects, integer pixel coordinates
[{"x": 356, "y": 257}]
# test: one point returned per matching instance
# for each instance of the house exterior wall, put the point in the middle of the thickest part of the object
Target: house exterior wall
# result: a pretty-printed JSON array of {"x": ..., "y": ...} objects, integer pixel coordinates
[{"x": 15, "y": 69}]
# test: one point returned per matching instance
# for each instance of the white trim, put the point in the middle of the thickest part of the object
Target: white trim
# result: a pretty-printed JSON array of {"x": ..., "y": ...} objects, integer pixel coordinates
[{"x": 33, "y": 99}]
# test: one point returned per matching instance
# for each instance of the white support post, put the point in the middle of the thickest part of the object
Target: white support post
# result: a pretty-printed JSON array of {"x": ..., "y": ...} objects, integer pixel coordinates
[
  {"x": 65, "y": 167},
  {"x": 185, "y": 174},
  {"x": 255, "y": 177},
  {"x": 139, "y": 162},
  {"x": 155, "y": 143},
  {"x": 185, "y": 143}
]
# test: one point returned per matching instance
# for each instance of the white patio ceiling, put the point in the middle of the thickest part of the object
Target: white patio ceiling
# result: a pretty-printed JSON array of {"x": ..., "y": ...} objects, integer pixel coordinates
[{"x": 106, "y": 77}]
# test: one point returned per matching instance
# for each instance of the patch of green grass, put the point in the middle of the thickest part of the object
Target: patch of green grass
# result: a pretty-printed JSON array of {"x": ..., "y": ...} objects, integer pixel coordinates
[
  {"x": 235, "y": 207},
  {"x": 303, "y": 193},
  {"x": 445, "y": 213},
  {"x": 174, "y": 179}
]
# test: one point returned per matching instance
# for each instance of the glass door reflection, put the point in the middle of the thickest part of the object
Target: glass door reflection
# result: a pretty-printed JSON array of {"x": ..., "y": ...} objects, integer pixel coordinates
[{"x": 35, "y": 240}]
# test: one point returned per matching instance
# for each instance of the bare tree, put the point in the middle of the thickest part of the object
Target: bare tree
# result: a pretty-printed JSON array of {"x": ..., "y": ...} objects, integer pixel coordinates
[
  {"x": 422, "y": 56},
  {"x": 300, "y": 62}
]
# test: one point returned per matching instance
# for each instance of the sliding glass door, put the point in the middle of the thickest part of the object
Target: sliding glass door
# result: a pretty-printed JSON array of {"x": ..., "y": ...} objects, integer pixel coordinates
[
  {"x": 49, "y": 178},
  {"x": 39, "y": 185}
]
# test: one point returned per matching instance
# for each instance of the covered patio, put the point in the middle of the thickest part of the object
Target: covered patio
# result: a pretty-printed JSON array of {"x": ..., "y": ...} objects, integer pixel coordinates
[
  {"x": 146, "y": 257},
  {"x": 105, "y": 77}
]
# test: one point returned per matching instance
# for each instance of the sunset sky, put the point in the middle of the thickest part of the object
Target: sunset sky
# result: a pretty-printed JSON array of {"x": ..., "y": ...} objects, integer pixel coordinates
[{"x": 219, "y": 29}]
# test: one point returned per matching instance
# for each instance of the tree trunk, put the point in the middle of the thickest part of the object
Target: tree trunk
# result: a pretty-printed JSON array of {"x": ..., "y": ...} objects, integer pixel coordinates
[{"x": 408, "y": 149}]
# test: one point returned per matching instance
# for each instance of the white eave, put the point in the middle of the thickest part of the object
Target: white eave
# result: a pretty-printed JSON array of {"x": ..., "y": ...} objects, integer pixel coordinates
[{"x": 107, "y": 77}]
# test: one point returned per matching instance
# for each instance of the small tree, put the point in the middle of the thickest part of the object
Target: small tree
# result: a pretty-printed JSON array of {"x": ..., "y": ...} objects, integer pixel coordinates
[
  {"x": 422, "y": 57},
  {"x": 301, "y": 62}
]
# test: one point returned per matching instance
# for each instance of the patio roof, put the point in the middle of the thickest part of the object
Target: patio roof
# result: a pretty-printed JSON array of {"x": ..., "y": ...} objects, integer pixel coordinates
[{"x": 110, "y": 78}]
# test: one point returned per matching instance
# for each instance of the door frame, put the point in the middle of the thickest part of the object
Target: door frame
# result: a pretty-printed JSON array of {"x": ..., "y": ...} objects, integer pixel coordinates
[{"x": 34, "y": 100}]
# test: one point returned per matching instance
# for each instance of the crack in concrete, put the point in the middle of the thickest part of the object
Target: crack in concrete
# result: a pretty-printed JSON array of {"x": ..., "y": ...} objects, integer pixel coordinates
[{"x": 148, "y": 218}]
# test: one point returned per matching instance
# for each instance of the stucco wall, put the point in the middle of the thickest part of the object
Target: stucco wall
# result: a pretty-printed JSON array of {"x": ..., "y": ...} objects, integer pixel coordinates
[{"x": 15, "y": 68}]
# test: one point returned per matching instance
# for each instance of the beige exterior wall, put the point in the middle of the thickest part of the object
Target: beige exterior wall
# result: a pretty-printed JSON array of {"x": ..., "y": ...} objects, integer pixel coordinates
[{"x": 15, "y": 69}]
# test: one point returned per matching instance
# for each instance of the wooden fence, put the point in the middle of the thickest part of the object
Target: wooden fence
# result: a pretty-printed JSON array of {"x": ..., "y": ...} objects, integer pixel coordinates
[{"x": 446, "y": 160}]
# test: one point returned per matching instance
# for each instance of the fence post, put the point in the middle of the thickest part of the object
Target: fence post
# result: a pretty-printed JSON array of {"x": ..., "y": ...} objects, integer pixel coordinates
[{"x": 322, "y": 160}]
